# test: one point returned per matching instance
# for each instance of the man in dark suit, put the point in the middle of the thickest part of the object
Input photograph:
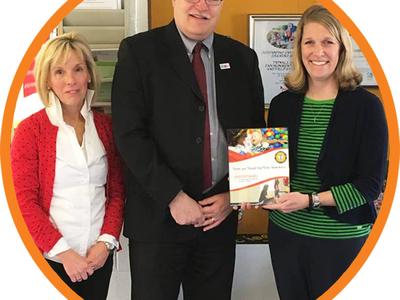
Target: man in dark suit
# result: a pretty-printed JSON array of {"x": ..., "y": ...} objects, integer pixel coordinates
[{"x": 169, "y": 125}]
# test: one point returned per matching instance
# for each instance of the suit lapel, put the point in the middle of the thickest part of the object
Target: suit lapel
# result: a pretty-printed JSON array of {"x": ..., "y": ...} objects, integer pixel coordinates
[
  {"x": 222, "y": 80},
  {"x": 179, "y": 59}
]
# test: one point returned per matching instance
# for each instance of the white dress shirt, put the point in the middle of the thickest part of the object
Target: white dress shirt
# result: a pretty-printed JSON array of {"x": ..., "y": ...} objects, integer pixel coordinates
[{"x": 78, "y": 205}]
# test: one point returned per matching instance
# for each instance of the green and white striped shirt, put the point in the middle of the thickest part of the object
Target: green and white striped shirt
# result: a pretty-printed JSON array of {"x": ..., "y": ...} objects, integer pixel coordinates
[{"x": 313, "y": 125}]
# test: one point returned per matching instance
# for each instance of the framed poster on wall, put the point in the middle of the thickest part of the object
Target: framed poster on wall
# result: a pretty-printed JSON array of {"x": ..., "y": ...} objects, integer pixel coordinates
[
  {"x": 362, "y": 66},
  {"x": 272, "y": 37}
]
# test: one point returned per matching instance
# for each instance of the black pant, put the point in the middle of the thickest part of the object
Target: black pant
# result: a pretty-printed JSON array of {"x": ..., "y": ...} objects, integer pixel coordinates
[
  {"x": 305, "y": 267},
  {"x": 204, "y": 268},
  {"x": 95, "y": 287}
]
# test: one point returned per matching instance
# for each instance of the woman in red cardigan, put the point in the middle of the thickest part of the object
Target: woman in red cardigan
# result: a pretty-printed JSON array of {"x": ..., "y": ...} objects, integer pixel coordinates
[{"x": 66, "y": 170}]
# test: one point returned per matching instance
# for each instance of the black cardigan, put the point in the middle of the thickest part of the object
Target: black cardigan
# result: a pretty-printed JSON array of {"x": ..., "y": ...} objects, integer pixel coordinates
[{"x": 354, "y": 148}]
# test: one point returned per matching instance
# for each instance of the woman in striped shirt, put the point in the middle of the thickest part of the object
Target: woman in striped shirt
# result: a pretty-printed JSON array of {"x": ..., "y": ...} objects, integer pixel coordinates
[{"x": 317, "y": 229}]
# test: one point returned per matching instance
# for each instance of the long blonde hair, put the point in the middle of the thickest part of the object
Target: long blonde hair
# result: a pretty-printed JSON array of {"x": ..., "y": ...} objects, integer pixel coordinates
[{"x": 347, "y": 75}]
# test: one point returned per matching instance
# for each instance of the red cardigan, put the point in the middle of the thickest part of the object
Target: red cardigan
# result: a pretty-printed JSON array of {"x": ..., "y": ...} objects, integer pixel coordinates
[{"x": 33, "y": 159}]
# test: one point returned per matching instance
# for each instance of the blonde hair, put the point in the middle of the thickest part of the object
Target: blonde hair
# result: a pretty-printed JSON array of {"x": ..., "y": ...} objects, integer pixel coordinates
[
  {"x": 348, "y": 77},
  {"x": 59, "y": 49}
]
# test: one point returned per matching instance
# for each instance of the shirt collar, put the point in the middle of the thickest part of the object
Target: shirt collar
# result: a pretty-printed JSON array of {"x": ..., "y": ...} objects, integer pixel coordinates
[
  {"x": 190, "y": 44},
  {"x": 54, "y": 110}
]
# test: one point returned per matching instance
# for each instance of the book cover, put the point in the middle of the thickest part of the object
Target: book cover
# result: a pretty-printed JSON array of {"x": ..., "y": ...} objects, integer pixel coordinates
[{"x": 258, "y": 164}]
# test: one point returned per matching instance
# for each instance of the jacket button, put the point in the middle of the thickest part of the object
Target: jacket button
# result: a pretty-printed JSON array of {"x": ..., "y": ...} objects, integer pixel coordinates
[
  {"x": 201, "y": 108},
  {"x": 199, "y": 140}
]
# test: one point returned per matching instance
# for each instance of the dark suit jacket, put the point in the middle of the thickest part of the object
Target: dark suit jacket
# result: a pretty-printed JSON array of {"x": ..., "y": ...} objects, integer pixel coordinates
[
  {"x": 354, "y": 149},
  {"x": 158, "y": 119}
]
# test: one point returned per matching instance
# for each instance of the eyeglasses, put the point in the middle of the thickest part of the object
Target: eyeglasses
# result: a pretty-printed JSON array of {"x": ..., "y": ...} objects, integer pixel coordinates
[{"x": 209, "y": 2}]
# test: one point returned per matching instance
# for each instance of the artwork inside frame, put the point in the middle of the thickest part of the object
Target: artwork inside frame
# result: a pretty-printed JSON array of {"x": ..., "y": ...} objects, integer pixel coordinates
[
  {"x": 272, "y": 38},
  {"x": 362, "y": 66}
]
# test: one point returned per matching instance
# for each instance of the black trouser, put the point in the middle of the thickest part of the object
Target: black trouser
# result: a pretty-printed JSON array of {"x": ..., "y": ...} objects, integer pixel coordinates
[
  {"x": 204, "y": 268},
  {"x": 95, "y": 287},
  {"x": 305, "y": 267}
]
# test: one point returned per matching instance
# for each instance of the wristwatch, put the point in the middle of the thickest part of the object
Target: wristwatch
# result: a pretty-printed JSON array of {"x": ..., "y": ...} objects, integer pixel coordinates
[
  {"x": 315, "y": 203},
  {"x": 110, "y": 247}
]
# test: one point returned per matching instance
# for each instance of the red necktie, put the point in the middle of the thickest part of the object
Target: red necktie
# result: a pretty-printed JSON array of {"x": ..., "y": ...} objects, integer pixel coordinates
[{"x": 200, "y": 73}]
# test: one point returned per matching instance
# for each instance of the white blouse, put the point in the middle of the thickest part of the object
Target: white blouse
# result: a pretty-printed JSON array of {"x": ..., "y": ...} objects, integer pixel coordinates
[{"x": 78, "y": 205}]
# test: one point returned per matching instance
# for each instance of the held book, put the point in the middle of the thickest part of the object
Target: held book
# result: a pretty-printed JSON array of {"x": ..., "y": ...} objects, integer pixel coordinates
[{"x": 258, "y": 164}]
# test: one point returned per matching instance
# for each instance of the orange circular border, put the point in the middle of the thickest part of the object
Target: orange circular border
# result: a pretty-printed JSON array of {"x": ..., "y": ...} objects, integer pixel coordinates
[
  {"x": 6, "y": 140},
  {"x": 393, "y": 155}
]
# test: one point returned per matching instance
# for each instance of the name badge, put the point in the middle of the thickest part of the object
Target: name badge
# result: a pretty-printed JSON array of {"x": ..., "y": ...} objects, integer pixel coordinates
[{"x": 224, "y": 66}]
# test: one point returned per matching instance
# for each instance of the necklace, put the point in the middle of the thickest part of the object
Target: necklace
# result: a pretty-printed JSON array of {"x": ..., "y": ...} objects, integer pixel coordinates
[
  {"x": 316, "y": 107},
  {"x": 316, "y": 113}
]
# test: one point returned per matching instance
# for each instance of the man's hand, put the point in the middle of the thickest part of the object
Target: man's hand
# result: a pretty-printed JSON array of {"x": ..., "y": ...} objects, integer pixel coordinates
[
  {"x": 75, "y": 266},
  {"x": 185, "y": 210},
  {"x": 97, "y": 255},
  {"x": 215, "y": 209}
]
